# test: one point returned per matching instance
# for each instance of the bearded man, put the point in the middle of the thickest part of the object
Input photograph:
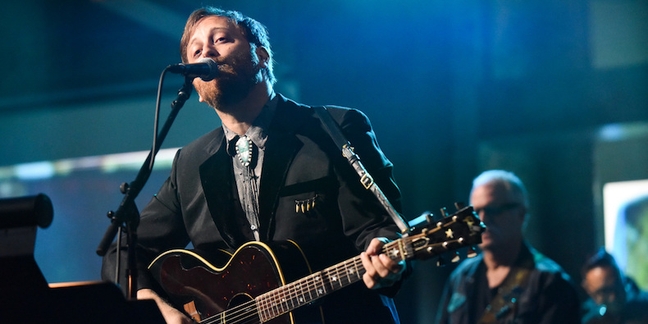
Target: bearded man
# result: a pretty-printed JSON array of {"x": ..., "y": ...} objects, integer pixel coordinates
[{"x": 270, "y": 173}]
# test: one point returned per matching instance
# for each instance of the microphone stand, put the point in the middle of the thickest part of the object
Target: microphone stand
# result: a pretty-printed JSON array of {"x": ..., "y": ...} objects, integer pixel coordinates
[{"x": 127, "y": 216}]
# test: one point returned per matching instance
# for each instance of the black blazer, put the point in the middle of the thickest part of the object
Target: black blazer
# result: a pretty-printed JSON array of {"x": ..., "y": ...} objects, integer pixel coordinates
[{"x": 199, "y": 203}]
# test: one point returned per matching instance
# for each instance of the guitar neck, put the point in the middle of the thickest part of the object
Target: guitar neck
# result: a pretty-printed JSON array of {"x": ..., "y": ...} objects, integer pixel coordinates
[{"x": 319, "y": 284}]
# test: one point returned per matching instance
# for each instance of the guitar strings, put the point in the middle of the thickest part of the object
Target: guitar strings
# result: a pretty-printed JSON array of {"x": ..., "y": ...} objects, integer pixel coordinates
[
  {"x": 243, "y": 313},
  {"x": 291, "y": 293}
]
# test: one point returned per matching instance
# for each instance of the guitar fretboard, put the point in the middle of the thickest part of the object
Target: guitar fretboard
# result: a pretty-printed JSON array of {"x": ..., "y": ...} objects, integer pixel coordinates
[{"x": 299, "y": 293}]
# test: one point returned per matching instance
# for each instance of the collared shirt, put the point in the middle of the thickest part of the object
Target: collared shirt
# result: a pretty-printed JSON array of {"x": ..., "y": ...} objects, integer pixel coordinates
[{"x": 248, "y": 178}]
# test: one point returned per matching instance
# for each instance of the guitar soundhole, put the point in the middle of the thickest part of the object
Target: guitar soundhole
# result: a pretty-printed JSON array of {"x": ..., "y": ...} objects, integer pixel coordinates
[
  {"x": 240, "y": 309},
  {"x": 238, "y": 300}
]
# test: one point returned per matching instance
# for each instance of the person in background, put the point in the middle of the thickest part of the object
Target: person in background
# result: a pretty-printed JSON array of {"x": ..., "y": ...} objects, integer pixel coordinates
[
  {"x": 509, "y": 282},
  {"x": 271, "y": 173},
  {"x": 614, "y": 298}
]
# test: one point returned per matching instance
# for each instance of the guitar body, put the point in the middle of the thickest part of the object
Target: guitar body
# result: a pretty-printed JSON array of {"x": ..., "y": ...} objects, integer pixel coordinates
[
  {"x": 222, "y": 294},
  {"x": 273, "y": 283}
]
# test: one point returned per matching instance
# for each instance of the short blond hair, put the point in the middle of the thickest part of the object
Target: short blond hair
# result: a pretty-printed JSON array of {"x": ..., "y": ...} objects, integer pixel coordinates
[{"x": 510, "y": 181}]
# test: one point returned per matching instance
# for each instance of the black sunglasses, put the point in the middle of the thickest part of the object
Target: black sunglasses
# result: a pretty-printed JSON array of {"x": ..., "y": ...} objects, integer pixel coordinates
[{"x": 496, "y": 210}]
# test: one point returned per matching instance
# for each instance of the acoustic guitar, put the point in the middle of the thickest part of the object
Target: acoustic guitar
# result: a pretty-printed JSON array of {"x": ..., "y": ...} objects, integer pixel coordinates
[{"x": 260, "y": 283}]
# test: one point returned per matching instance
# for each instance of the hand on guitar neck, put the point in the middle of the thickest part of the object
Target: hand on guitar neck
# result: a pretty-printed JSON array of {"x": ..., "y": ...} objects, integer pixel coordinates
[{"x": 380, "y": 270}]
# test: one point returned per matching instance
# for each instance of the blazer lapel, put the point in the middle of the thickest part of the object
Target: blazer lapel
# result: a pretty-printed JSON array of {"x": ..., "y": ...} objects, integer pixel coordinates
[
  {"x": 217, "y": 180},
  {"x": 281, "y": 147}
]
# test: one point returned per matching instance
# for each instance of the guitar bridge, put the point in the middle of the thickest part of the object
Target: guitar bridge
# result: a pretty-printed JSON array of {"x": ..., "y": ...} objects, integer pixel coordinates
[{"x": 190, "y": 309}]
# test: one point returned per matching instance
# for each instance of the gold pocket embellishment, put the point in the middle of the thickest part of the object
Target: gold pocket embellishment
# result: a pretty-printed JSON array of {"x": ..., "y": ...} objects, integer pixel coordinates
[{"x": 304, "y": 206}]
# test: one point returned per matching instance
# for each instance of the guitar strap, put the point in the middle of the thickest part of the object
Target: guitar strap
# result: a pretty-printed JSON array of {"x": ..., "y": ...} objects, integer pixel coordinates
[
  {"x": 367, "y": 181},
  {"x": 508, "y": 294}
]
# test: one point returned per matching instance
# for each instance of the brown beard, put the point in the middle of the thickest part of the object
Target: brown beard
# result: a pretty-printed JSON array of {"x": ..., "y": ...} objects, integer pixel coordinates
[{"x": 237, "y": 77}]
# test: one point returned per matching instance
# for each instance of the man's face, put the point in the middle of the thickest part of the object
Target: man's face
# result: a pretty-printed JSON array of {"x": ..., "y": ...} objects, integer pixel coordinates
[
  {"x": 239, "y": 66},
  {"x": 604, "y": 287},
  {"x": 502, "y": 211}
]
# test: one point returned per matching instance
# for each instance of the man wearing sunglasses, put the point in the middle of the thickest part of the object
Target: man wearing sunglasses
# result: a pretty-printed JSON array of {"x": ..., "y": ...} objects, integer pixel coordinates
[{"x": 510, "y": 282}]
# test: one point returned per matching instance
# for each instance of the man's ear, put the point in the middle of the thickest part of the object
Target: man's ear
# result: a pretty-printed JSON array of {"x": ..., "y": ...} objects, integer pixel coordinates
[{"x": 264, "y": 56}]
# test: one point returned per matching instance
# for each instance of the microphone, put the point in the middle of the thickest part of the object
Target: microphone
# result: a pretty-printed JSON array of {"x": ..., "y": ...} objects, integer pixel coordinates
[{"x": 205, "y": 68}]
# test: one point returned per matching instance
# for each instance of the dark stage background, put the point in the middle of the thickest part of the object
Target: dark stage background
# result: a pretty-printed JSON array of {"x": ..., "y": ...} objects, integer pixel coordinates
[{"x": 554, "y": 90}]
